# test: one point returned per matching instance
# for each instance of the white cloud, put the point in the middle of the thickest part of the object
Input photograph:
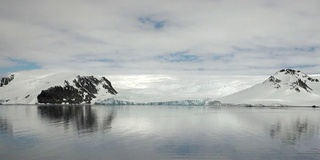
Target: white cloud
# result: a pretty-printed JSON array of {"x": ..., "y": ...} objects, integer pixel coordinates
[{"x": 250, "y": 36}]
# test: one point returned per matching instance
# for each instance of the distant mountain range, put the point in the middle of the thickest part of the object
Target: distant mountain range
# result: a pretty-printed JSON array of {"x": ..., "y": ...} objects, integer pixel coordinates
[{"x": 285, "y": 87}]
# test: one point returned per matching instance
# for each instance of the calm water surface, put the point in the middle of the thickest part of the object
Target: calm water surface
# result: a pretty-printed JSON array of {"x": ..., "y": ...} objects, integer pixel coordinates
[{"x": 154, "y": 132}]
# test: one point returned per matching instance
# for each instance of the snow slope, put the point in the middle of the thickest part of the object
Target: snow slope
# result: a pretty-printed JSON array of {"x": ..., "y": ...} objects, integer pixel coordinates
[
  {"x": 164, "y": 88},
  {"x": 286, "y": 87}
]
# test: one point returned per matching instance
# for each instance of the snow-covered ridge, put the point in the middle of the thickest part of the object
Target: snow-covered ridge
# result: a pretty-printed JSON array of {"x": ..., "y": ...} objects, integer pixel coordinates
[
  {"x": 286, "y": 87},
  {"x": 38, "y": 86},
  {"x": 164, "y": 88}
]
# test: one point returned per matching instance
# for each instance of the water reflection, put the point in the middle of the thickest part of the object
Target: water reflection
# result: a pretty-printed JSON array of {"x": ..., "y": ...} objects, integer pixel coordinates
[
  {"x": 107, "y": 121},
  {"x": 81, "y": 118},
  {"x": 5, "y": 126},
  {"x": 293, "y": 132}
]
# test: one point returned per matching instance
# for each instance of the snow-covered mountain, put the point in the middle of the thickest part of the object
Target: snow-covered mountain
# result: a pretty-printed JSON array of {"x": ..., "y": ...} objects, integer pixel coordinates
[
  {"x": 285, "y": 87},
  {"x": 41, "y": 86}
]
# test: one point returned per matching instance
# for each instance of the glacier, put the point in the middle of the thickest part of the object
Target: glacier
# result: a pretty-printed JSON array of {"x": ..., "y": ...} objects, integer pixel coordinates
[{"x": 204, "y": 102}]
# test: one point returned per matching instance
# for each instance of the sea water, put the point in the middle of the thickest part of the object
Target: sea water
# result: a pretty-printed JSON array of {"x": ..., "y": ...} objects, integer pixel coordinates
[{"x": 38, "y": 132}]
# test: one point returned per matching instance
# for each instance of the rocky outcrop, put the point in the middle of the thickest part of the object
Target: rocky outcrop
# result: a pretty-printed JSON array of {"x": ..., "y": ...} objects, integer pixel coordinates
[
  {"x": 274, "y": 81},
  {"x": 6, "y": 80}
]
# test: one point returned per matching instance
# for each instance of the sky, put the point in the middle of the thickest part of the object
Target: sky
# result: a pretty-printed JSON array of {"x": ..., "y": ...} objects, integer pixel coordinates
[{"x": 225, "y": 37}]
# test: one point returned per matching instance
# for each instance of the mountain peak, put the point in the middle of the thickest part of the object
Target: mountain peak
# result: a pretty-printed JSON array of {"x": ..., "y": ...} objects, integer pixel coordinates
[
  {"x": 289, "y": 71},
  {"x": 294, "y": 79}
]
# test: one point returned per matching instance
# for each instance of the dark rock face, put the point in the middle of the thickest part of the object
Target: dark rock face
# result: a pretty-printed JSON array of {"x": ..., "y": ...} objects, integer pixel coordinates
[
  {"x": 108, "y": 86},
  {"x": 6, "y": 80},
  {"x": 289, "y": 71},
  {"x": 303, "y": 85},
  {"x": 275, "y": 81},
  {"x": 58, "y": 95},
  {"x": 84, "y": 90}
]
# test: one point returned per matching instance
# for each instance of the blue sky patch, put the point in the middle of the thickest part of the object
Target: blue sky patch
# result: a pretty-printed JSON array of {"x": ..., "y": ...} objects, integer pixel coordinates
[
  {"x": 277, "y": 50},
  {"x": 21, "y": 65},
  {"x": 180, "y": 57},
  {"x": 306, "y": 49},
  {"x": 300, "y": 66},
  {"x": 86, "y": 57},
  {"x": 103, "y": 60},
  {"x": 155, "y": 23},
  {"x": 223, "y": 57}
]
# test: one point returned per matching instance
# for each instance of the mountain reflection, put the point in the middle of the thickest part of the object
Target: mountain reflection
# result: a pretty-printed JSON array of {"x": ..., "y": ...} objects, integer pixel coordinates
[
  {"x": 293, "y": 132},
  {"x": 82, "y": 118},
  {"x": 107, "y": 121},
  {"x": 5, "y": 126}
]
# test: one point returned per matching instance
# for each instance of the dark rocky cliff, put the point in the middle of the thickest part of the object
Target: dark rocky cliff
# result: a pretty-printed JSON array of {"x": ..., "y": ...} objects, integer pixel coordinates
[
  {"x": 6, "y": 80},
  {"x": 83, "y": 90}
]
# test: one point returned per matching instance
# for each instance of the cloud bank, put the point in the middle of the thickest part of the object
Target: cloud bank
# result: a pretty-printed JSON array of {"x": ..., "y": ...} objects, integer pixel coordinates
[{"x": 174, "y": 37}]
